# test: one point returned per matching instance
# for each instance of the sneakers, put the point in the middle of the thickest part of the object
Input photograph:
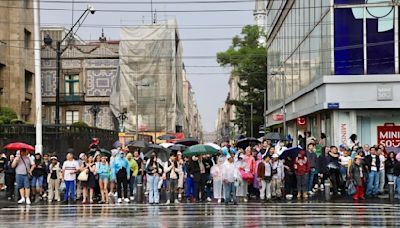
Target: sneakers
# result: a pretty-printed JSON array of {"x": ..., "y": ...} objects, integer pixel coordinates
[
  {"x": 322, "y": 187},
  {"x": 209, "y": 199},
  {"x": 305, "y": 196},
  {"x": 310, "y": 193},
  {"x": 245, "y": 200},
  {"x": 44, "y": 195},
  {"x": 119, "y": 200},
  {"x": 110, "y": 194},
  {"x": 298, "y": 195},
  {"x": 132, "y": 198},
  {"x": 179, "y": 196},
  {"x": 28, "y": 201},
  {"x": 168, "y": 202},
  {"x": 116, "y": 194},
  {"x": 126, "y": 200},
  {"x": 22, "y": 200},
  {"x": 176, "y": 201},
  {"x": 219, "y": 200}
]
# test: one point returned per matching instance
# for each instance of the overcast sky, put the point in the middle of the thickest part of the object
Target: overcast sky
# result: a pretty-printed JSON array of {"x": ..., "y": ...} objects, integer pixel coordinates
[{"x": 210, "y": 89}]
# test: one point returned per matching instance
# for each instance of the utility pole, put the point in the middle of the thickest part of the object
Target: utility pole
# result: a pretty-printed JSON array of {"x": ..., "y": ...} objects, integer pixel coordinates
[
  {"x": 38, "y": 79},
  {"x": 284, "y": 102}
]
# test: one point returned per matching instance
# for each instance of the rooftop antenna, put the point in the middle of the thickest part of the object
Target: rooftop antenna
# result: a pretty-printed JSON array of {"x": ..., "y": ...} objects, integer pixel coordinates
[
  {"x": 155, "y": 17},
  {"x": 151, "y": 11}
]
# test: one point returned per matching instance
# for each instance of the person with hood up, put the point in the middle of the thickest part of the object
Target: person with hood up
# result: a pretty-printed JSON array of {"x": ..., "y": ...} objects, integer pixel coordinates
[
  {"x": 134, "y": 172},
  {"x": 38, "y": 171},
  {"x": 216, "y": 173},
  {"x": 242, "y": 185},
  {"x": 121, "y": 172},
  {"x": 302, "y": 168}
]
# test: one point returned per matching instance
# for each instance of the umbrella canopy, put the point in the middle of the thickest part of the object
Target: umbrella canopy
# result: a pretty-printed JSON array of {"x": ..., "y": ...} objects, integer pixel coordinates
[
  {"x": 166, "y": 137},
  {"x": 139, "y": 144},
  {"x": 162, "y": 153},
  {"x": 243, "y": 143},
  {"x": 166, "y": 145},
  {"x": 200, "y": 150},
  {"x": 19, "y": 146},
  {"x": 213, "y": 145},
  {"x": 290, "y": 152},
  {"x": 273, "y": 136},
  {"x": 117, "y": 144},
  {"x": 177, "y": 147},
  {"x": 188, "y": 142}
]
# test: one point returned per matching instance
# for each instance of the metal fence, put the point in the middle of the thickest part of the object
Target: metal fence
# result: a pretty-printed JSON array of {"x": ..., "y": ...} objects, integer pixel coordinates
[{"x": 58, "y": 138}]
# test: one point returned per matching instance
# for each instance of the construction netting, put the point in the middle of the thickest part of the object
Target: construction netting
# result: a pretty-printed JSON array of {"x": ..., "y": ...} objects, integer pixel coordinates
[{"x": 150, "y": 78}]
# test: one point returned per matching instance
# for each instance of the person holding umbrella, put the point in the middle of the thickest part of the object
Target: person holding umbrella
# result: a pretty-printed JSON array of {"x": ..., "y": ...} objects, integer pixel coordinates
[{"x": 22, "y": 165}]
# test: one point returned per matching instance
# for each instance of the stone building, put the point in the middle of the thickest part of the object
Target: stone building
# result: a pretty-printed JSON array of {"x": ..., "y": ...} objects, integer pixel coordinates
[
  {"x": 17, "y": 58},
  {"x": 87, "y": 73}
]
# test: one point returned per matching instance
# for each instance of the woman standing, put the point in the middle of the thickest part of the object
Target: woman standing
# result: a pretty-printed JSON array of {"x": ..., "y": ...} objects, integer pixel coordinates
[
  {"x": 103, "y": 170},
  {"x": 97, "y": 161},
  {"x": 121, "y": 171},
  {"x": 53, "y": 179},
  {"x": 216, "y": 173},
  {"x": 357, "y": 174},
  {"x": 134, "y": 172},
  {"x": 154, "y": 171},
  {"x": 181, "y": 174},
  {"x": 251, "y": 164},
  {"x": 90, "y": 168},
  {"x": 302, "y": 167},
  {"x": 390, "y": 163},
  {"x": 38, "y": 171},
  {"x": 242, "y": 185}
]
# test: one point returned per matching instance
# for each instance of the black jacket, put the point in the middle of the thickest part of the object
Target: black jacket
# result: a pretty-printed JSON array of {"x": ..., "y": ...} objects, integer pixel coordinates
[
  {"x": 193, "y": 168},
  {"x": 389, "y": 165},
  {"x": 368, "y": 162}
]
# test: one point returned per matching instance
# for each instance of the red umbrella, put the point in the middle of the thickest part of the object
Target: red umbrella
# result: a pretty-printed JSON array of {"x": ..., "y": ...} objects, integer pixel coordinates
[{"x": 19, "y": 146}]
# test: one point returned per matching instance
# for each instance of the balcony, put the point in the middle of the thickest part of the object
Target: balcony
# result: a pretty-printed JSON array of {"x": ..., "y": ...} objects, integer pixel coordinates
[{"x": 72, "y": 98}]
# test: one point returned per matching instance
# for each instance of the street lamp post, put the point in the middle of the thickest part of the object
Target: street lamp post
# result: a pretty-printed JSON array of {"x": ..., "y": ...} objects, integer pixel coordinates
[
  {"x": 122, "y": 117},
  {"x": 95, "y": 109},
  {"x": 264, "y": 91},
  {"x": 48, "y": 41}
]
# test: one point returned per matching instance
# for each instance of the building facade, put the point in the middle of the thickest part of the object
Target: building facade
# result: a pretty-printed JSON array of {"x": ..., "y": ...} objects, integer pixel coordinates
[
  {"x": 87, "y": 74},
  {"x": 17, "y": 78},
  {"x": 335, "y": 66}
]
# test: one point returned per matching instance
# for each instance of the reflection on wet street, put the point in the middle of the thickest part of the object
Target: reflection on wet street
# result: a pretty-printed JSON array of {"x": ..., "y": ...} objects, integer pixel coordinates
[{"x": 202, "y": 215}]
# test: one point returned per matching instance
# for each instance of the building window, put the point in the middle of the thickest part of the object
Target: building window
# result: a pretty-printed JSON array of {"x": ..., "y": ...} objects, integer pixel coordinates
[
  {"x": 71, "y": 85},
  {"x": 25, "y": 4},
  {"x": 27, "y": 38},
  {"x": 71, "y": 117},
  {"x": 28, "y": 85}
]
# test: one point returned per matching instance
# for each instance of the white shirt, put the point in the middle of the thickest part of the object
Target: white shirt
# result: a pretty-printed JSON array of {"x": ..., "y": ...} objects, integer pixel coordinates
[
  {"x": 229, "y": 172},
  {"x": 382, "y": 160},
  {"x": 344, "y": 160},
  {"x": 373, "y": 163},
  {"x": 69, "y": 169}
]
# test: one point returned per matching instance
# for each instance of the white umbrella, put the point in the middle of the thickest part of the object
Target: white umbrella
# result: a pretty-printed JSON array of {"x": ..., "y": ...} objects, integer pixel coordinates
[
  {"x": 213, "y": 145},
  {"x": 166, "y": 145}
]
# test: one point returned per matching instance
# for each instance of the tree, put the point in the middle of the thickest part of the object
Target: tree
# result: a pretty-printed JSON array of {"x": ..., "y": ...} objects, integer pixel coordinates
[
  {"x": 248, "y": 60},
  {"x": 6, "y": 115}
]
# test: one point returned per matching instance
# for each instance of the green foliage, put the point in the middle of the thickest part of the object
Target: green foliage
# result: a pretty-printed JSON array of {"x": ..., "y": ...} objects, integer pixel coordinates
[
  {"x": 7, "y": 114},
  {"x": 17, "y": 121},
  {"x": 249, "y": 63},
  {"x": 80, "y": 124}
]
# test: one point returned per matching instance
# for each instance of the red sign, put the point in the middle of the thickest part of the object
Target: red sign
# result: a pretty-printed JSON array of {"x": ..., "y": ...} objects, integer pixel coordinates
[
  {"x": 389, "y": 136},
  {"x": 301, "y": 121},
  {"x": 277, "y": 117}
]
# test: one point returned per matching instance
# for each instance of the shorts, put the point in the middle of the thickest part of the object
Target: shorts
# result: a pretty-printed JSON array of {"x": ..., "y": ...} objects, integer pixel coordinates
[
  {"x": 103, "y": 177},
  {"x": 2, "y": 178},
  {"x": 37, "y": 181},
  {"x": 22, "y": 181}
]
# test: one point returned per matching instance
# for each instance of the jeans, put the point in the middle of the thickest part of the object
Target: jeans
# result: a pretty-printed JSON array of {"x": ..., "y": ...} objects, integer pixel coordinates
[
  {"x": 190, "y": 187},
  {"x": 69, "y": 189},
  {"x": 373, "y": 183},
  {"x": 302, "y": 183},
  {"x": 172, "y": 186},
  {"x": 381, "y": 180},
  {"x": 398, "y": 184},
  {"x": 392, "y": 178},
  {"x": 311, "y": 178},
  {"x": 276, "y": 187},
  {"x": 230, "y": 191},
  {"x": 22, "y": 181},
  {"x": 37, "y": 182},
  {"x": 154, "y": 195}
]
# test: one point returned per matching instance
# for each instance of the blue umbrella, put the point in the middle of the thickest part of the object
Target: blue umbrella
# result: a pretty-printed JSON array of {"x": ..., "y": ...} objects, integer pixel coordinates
[
  {"x": 290, "y": 152},
  {"x": 117, "y": 144}
]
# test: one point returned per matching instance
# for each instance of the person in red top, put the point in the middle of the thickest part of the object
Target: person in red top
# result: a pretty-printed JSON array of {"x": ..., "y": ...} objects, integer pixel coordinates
[{"x": 302, "y": 168}]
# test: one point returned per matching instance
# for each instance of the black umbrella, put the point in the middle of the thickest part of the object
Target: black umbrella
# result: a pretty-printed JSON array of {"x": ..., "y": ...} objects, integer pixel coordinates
[
  {"x": 239, "y": 137},
  {"x": 188, "y": 142},
  {"x": 243, "y": 143},
  {"x": 162, "y": 153},
  {"x": 140, "y": 144},
  {"x": 273, "y": 136},
  {"x": 177, "y": 147},
  {"x": 166, "y": 137}
]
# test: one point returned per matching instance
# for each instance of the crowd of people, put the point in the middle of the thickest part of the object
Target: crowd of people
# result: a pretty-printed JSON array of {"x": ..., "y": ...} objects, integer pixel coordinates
[{"x": 258, "y": 172}]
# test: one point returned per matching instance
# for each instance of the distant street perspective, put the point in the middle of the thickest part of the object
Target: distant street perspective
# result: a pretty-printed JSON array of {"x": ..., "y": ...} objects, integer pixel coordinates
[{"x": 199, "y": 113}]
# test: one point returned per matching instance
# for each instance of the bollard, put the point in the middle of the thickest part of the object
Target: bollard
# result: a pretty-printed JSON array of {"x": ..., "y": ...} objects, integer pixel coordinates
[
  {"x": 139, "y": 193},
  {"x": 327, "y": 185},
  {"x": 391, "y": 191}
]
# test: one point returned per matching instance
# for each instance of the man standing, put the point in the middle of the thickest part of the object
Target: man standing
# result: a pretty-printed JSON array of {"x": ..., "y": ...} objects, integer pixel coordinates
[
  {"x": 69, "y": 170},
  {"x": 3, "y": 164},
  {"x": 22, "y": 165},
  {"x": 229, "y": 177},
  {"x": 312, "y": 157},
  {"x": 372, "y": 161}
]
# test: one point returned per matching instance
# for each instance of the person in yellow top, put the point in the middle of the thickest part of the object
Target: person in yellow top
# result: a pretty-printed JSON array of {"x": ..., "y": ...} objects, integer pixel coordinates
[{"x": 134, "y": 172}]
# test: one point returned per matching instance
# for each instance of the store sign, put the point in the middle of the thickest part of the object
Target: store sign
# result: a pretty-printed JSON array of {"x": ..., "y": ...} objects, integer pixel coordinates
[
  {"x": 301, "y": 121},
  {"x": 389, "y": 136},
  {"x": 385, "y": 93},
  {"x": 333, "y": 105},
  {"x": 278, "y": 117},
  {"x": 343, "y": 133}
]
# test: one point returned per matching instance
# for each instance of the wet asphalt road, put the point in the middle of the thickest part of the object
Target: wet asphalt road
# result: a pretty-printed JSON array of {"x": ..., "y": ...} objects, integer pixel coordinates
[{"x": 297, "y": 214}]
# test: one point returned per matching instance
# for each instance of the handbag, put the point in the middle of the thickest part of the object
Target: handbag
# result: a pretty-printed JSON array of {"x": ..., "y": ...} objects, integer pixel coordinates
[
  {"x": 83, "y": 176},
  {"x": 351, "y": 188},
  {"x": 246, "y": 176}
]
